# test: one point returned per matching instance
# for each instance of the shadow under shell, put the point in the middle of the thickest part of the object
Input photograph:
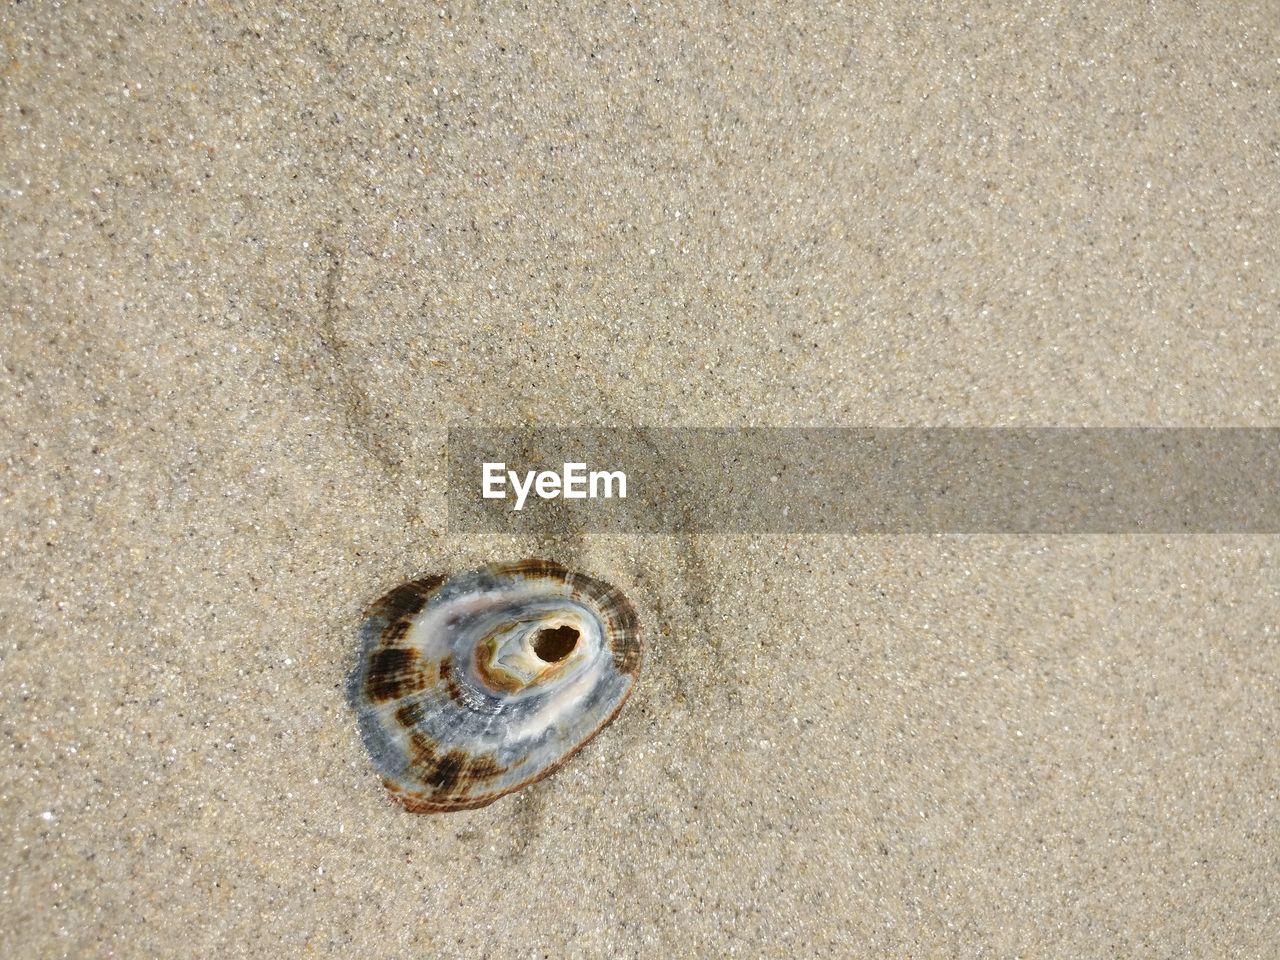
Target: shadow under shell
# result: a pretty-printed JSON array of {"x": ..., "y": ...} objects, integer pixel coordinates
[{"x": 472, "y": 686}]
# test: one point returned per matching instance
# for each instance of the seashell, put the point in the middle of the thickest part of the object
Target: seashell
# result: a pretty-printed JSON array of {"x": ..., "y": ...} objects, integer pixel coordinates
[{"x": 471, "y": 686}]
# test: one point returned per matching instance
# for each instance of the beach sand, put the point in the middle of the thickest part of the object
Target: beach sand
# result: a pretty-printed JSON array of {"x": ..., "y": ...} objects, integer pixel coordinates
[{"x": 256, "y": 260}]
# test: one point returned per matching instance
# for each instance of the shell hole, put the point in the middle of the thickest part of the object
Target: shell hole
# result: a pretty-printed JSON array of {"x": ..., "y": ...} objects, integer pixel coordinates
[{"x": 552, "y": 646}]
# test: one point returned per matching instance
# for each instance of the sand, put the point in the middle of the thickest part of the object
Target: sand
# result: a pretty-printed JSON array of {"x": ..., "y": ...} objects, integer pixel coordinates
[{"x": 256, "y": 259}]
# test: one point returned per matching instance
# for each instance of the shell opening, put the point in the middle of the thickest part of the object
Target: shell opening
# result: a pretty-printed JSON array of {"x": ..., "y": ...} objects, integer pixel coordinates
[{"x": 553, "y": 645}]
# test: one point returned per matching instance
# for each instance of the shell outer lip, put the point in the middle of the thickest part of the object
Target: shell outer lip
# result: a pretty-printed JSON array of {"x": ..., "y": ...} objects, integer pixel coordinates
[{"x": 420, "y": 803}]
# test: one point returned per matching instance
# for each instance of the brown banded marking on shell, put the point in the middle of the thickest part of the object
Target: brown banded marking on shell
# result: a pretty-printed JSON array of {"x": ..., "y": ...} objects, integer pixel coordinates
[{"x": 473, "y": 686}]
